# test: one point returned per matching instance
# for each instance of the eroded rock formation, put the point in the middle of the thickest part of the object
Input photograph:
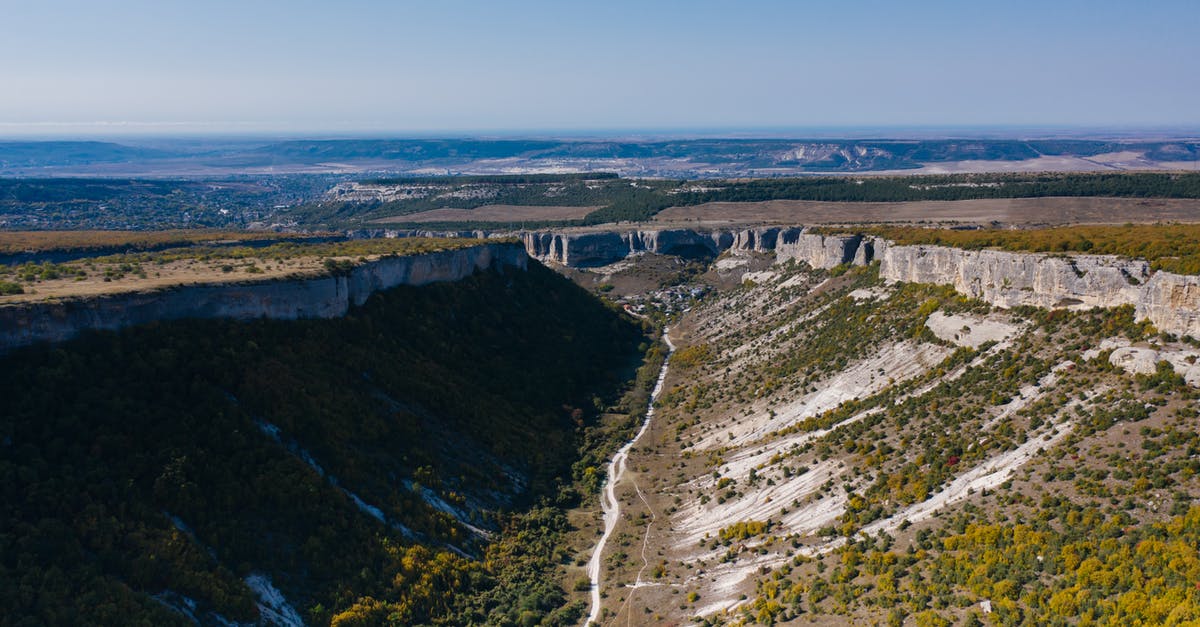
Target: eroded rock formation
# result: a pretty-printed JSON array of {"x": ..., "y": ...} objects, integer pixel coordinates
[
  {"x": 1009, "y": 279},
  {"x": 597, "y": 248},
  {"x": 1171, "y": 302},
  {"x": 1004, "y": 279}
]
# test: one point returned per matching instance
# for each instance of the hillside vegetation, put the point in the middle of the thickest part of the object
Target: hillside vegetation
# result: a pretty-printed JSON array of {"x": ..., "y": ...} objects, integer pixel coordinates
[
  {"x": 374, "y": 199},
  {"x": 910, "y": 188},
  {"x": 834, "y": 449},
  {"x": 406, "y": 464},
  {"x": 639, "y": 200}
]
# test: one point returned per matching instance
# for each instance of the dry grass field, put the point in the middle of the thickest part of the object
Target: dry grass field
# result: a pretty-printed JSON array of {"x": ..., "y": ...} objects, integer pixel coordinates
[
  {"x": 112, "y": 278},
  {"x": 148, "y": 271},
  {"x": 1008, "y": 211},
  {"x": 492, "y": 213},
  {"x": 22, "y": 241}
]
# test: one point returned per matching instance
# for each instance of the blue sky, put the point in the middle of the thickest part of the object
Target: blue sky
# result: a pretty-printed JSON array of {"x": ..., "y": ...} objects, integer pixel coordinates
[{"x": 302, "y": 66}]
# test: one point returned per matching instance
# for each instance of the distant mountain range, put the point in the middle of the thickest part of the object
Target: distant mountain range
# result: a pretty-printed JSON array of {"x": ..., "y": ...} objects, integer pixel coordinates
[{"x": 689, "y": 158}]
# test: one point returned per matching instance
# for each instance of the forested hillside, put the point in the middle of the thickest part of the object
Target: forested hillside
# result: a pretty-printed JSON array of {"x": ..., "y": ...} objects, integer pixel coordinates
[
  {"x": 387, "y": 201},
  {"x": 908, "y": 188},
  {"x": 366, "y": 468}
]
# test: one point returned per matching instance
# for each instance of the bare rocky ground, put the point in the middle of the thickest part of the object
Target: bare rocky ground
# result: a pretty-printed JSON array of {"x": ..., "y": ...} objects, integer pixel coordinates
[{"x": 808, "y": 413}]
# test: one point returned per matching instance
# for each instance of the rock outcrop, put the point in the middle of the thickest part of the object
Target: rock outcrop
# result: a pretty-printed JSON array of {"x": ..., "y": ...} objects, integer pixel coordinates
[
  {"x": 1005, "y": 279},
  {"x": 317, "y": 297},
  {"x": 822, "y": 251},
  {"x": 1142, "y": 360},
  {"x": 1009, "y": 279},
  {"x": 598, "y": 248},
  {"x": 759, "y": 240},
  {"x": 1171, "y": 302}
]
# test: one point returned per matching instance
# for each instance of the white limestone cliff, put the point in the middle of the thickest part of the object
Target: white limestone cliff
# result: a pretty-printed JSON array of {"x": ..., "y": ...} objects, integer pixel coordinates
[{"x": 1008, "y": 279}]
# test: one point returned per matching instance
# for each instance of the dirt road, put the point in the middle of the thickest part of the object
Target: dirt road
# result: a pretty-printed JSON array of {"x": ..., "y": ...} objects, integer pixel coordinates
[{"x": 608, "y": 495}]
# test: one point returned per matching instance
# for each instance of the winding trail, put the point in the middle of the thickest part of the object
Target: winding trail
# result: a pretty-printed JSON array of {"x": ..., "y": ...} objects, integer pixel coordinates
[
  {"x": 637, "y": 583},
  {"x": 608, "y": 496}
]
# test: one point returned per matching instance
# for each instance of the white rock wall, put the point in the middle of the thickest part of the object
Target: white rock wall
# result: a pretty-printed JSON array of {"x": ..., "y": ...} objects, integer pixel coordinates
[
  {"x": 1171, "y": 302},
  {"x": 1011, "y": 279},
  {"x": 821, "y": 251}
]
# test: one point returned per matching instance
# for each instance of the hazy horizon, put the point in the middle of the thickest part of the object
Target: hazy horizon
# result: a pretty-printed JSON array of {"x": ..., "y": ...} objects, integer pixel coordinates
[
  {"x": 364, "y": 67},
  {"x": 134, "y": 134}
]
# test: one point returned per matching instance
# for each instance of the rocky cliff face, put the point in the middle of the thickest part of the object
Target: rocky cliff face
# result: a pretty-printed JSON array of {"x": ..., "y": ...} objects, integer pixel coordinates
[
  {"x": 319, "y": 297},
  {"x": 1011, "y": 279},
  {"x": 1171, "y": 302},
  {"x": 822, "y": 251},
  {"x": 580, "y": 250},
  {"x": 604, "y": 247},
  {"x": 1005, "y": 279}
]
